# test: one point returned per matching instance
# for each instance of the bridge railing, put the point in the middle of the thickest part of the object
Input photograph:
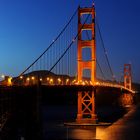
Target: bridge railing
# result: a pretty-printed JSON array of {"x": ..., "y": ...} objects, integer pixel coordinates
[
  {"x": 67, "y": 80},
  {"x": 115, "y": 85}
]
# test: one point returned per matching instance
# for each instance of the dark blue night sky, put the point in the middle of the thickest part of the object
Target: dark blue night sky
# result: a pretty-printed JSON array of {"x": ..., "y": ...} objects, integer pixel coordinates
[{"x": 27, "y": 27}]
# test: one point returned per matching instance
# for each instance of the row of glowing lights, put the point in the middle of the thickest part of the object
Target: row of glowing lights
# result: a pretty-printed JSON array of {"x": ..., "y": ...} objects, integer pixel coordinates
[
  {"x": 113, "y": 85},
  {"x": 75, "y": 82},
  {"x": 3, "y": 77},
  {"x": 51, "y": 80},
  {"x": 48, "y": 79},
  {"x": 9, "y": 82},
  {"x": 60, "y": 81},
  {"x": 81, "y": 82}
]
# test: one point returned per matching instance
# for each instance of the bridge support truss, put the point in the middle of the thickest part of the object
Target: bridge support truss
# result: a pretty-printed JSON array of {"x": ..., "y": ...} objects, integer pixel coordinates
[
  {"x": 86, "y": 107},
  {"x": 86, "y": 99}
]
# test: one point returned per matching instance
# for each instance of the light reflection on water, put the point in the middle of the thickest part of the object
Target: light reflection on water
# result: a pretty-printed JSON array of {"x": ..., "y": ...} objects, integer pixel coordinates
[
  {"x": 100, "y": 132},
  {"x": 82, "y": 133},
  {"x": 54, "y": 128},
  {"x": 54, "y": 118},
  {"x": 61, "y": 132}
]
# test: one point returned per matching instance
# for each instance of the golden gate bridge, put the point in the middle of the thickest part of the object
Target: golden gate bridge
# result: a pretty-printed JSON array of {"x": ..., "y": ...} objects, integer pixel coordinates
[{"x": 71, "y": 61}]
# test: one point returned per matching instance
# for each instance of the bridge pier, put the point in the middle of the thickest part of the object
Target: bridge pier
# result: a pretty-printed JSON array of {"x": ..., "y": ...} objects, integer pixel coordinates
[{"x": 86, "y": 107}]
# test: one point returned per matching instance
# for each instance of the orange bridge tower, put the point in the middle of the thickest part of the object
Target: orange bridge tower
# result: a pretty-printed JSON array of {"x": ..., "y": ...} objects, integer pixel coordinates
[
  {"x": 86, "y": 99},
  {"x": 127, "y": 99},
  {"x": 127, "y": 76}
]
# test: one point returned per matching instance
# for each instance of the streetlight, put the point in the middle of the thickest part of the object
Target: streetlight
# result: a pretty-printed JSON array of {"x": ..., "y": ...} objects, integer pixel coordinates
[
  {"x": 90, "y": 82},
  {"x": 73, "y": 82},
  {"x": 9, "y": 81},
  {"x": 51, "y": 81},
  {"x": 59, "y": 81},
  {"x": 33, "y": 78},
  {"x": 67, "y": 80},
  {"x": 21, "y": 77},
  {"x": 97, "y": 83},
  {"x": 28, "y": 79}
]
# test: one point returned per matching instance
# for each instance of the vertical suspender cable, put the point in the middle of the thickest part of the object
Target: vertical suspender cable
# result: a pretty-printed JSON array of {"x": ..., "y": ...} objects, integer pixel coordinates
[
  {"x": 105, "y": 51},
  {"x": 51, "y": 43},
  {"x": 96, "y": 59}
]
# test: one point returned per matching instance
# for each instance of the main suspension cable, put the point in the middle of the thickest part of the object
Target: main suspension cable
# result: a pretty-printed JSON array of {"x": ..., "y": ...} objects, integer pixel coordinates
[
  {"x": 70, "y": 44},
  {"x": 51, "y": 43},
  {"x": 105, "y": 51}
]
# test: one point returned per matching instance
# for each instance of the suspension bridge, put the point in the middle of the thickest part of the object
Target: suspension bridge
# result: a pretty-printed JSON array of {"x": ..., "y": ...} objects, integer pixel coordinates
[{"x": 76, "y": 60}]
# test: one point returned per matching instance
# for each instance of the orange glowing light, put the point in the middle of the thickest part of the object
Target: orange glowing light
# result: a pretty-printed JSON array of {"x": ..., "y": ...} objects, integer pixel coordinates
[
  {"x": 28, "y": 79},
  {"x": 10, "y": 81},
  {"x": 51, "y": 81},
  {"x": 59, "y": 79},
  {"x": 33, "y": 78},
  {"x": 21, "y": 77}
]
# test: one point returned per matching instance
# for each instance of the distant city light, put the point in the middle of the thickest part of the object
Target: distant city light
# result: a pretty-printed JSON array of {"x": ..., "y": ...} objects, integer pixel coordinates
[{"x": 3, "y": 76}]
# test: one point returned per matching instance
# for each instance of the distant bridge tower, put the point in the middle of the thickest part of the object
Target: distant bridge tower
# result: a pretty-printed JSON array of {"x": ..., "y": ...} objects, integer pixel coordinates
[
  {"x": 127, "y": 99},
  {"x": 127, "y": 76},
  {"x": 86, "y": 99}
]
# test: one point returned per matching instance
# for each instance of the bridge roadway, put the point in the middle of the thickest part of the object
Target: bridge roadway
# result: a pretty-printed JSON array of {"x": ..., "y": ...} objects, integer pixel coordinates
[
  {"x": 74, "y": 87},
  {"x": 88, "y": 87}
]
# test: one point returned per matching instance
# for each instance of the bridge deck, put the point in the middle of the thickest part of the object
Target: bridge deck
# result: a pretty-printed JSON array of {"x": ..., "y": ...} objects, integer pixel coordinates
[{"x": 70, "y": 87}]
